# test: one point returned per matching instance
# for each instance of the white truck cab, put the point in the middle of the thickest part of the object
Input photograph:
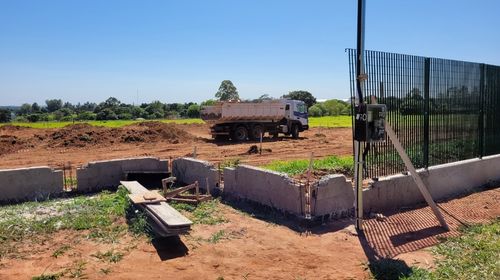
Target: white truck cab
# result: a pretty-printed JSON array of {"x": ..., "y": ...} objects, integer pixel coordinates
[{"x": 297, "y": 110}]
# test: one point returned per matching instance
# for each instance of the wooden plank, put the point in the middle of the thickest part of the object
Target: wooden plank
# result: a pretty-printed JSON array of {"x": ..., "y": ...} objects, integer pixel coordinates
[
  {"x": 177, "y": 191},
  {"x": 420, "y": 184},
  {"x": 162, "y": 210},
  {"x": 141, "y": 199}
]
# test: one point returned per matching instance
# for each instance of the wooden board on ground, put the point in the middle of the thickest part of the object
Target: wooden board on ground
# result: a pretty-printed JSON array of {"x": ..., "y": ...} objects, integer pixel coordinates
[
  {"x": 146, "y": 199},
  {"x": 164, "y": 212}
]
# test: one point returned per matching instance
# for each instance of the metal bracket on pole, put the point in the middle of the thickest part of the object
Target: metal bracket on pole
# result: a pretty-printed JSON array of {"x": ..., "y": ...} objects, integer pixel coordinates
[{"x": 420, "y": 184}]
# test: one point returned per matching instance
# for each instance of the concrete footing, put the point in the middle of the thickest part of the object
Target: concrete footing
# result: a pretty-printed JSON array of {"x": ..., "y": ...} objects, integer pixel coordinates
[
  {"x": 190, "y": 170},
  {"x": 98, "y": 175},
  {"x": 34, "y": 183},
  {"x": 443, "y": 181},
  {"x": 265, "y": 187}
]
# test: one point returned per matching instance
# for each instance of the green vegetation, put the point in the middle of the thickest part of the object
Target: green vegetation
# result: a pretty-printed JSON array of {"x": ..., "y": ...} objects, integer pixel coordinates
[
  {"x": 109, "y": 256},
  {"x": 331, "y": 121},
  {"x": 206, "y": 213},
  {"x": 112, "y": 124},
  {"x": 332, "y": 164},
  {"x": 98, "y": 215},
  {"x": 473, "y": 255},
  {"x": 47, "y": 277},
  {"x": 216, "y": 237}
]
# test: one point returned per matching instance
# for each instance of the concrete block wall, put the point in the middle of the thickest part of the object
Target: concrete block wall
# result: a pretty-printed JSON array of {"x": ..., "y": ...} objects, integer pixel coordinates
[
  {"x": 443, "y": 181},
  {"x": 33, "y": 183},
  {"x": 190, "y": 170},
  {"x": 98, "y": 175},
  {"x": 263, "y": 186},
  {"x": 333, "y": 195}
]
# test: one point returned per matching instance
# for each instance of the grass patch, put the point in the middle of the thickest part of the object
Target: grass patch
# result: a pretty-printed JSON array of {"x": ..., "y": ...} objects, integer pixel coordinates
[
  {"x": 60, "y": 251},
  {"x": 332, "y": 164},
  {"x": 47, "y": 277},
  {"x": 109, "y": 256},
  {"x": 99, "y": 215},
  {"x": 216, "y": 237},
  {"x": 206, "y": 213},
  {"x": 473, "y": 255},
  {"x": 113, "y": 123},
  {"x": 331, "y": 121}
]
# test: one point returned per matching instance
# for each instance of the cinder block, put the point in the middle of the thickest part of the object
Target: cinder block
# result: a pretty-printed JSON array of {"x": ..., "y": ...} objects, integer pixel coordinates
[
  {"x": 99, "y": 175},
  {"x": 190, "y": 170},
  {"x": 34, "y": 183}
]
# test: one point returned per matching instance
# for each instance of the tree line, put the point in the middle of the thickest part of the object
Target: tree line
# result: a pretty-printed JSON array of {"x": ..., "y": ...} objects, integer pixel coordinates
[
  {"x": 114, "y": 109},
  {"x": 110, "y": 109}
]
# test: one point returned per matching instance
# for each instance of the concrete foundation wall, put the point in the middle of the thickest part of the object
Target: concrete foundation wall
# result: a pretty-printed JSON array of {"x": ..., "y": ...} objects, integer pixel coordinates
[
  {"x": 99, "y": 175},
  {"x": 333, "y": 196},
  {"x": 443, "y": 181},
  {"x": 266, "y": 187},
  {"x": 34, "y": 183},
  {"x": 190, "y": 170}
]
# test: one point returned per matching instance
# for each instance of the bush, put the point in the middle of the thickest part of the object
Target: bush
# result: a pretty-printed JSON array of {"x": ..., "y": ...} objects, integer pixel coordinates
[
  {"x": 193, "y": 111},
  {"x": 86, "y": 116},
  {"x": 315, "y": 111},
  {"x": 33, "y": 118}
]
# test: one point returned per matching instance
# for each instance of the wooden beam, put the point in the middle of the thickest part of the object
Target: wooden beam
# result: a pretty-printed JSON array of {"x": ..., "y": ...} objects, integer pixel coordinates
[{"x": 420, "y": 184}]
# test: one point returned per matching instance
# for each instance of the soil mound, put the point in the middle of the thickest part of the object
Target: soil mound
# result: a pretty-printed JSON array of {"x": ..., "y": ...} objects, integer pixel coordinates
[
  {"x": 12, "y": 128},
  {"x": 11, "y": 143},
  {"x": 82, "y": 135}
]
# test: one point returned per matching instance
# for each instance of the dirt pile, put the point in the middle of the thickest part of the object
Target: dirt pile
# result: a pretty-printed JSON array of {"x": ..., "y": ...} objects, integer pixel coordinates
[
  {"x": 10, "y": 142},
  {"x": 82, "y": 135}
]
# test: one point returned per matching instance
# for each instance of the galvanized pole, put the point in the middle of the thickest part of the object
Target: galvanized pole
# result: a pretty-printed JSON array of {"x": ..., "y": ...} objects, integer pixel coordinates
[{"x": 360, "y": 113}]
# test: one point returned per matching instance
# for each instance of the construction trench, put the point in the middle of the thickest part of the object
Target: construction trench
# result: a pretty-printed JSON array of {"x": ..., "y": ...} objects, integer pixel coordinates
[{"x": 331, "y": 196}]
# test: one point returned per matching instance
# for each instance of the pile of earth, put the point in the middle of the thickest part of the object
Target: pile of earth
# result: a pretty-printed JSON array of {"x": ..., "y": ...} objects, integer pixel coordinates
[
  {"x": 9, "y": 142},
  {"x": 83, "y": 135}
]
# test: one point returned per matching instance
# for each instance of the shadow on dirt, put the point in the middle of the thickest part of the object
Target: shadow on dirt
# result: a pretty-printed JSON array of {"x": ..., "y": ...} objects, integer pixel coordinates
[{"x": 169, "y": 247}]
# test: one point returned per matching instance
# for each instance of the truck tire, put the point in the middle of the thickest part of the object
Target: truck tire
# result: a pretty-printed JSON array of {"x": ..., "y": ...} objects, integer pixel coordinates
[
  {"x": 295, "y": 131},
  {"x": 240, "y": 134},
  {"x": 257, "y": 130}
]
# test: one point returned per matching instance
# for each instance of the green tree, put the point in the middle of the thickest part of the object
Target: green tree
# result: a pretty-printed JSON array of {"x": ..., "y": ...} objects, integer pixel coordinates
[
  {"x": 106, "y": 114},
  {"x": 86, "y": 116},
  {"x": 315, "y": 111},
  {"x": 53, "y": 105},
  {"x": 35, "y": 108},
  {"x": 227, "y": 91},
  {"x": 208, "y": 102},
  {"x": 25, "y": 109},
  {"x": 193, "y": 111},
  {"x": 5, "y": 116},
  {"x": 302, "y": 95}
]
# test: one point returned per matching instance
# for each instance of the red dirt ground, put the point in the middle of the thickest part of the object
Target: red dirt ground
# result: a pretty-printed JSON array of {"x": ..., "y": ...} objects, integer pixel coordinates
[
  {"x": 79, "y": 144},
  {"x": 256, "y": 249}
]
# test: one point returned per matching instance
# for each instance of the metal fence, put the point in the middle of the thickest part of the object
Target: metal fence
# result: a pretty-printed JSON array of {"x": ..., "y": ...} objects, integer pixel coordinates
[{"x": 442, "y": 110}]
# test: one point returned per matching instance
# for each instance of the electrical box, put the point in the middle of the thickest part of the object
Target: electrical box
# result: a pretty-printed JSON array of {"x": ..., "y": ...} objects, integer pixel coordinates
[{"x": 369, "y": 123}]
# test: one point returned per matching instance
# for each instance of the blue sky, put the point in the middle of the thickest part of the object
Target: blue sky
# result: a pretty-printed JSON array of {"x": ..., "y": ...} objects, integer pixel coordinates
[{"x": 180, "y": 51}]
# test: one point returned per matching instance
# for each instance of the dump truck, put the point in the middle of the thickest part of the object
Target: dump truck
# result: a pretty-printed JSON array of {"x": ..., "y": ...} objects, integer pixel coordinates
[{"x": 241, "y": 121}]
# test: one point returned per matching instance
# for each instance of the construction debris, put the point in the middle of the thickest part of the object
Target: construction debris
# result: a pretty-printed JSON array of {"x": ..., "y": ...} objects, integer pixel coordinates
[
  {"x": 164, "y": 220},
  {"x": 178, "y": 196}
]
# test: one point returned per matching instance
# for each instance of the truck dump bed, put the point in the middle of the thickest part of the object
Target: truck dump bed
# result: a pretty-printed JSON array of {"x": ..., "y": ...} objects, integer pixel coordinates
[{"x": 271, "y": 111}]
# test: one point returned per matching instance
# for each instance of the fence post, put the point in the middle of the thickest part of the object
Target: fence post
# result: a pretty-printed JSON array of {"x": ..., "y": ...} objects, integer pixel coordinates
[
  {"x": 481, "y": 111},
  {"x": 427, "y": 88}
]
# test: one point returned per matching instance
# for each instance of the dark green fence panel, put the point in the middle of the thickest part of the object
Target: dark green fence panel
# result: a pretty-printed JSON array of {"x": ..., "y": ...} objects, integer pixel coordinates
[{"x": 442, "y": 110}]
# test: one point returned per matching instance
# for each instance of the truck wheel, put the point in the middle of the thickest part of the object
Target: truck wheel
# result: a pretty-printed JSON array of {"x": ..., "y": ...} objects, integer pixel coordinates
[
  {"x": 295, "y": 131},
  {"x": 256, "y": 132},
  {"x": 240, "y": 134}
]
